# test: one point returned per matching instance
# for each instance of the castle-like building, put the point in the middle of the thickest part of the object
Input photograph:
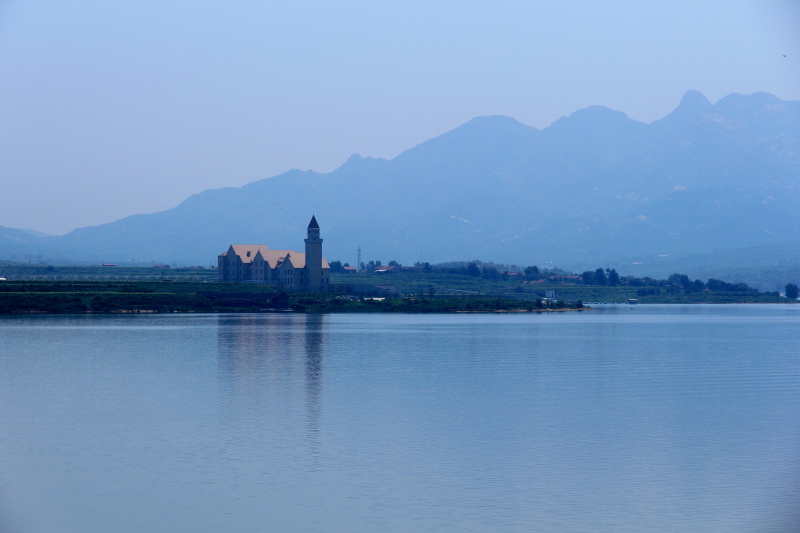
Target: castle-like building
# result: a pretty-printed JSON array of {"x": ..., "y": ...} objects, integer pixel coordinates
[{"x": 290, "y": 270}]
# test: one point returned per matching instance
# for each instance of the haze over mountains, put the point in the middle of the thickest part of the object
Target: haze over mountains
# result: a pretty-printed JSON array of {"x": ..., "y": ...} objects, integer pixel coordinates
[{"x": 593, "y": 188}]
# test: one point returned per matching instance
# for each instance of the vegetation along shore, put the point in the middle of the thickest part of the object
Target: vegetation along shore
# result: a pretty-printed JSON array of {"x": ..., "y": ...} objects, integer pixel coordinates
[
  {"x": 432, "y": 296},
  {"x": 24, "y": 297}
]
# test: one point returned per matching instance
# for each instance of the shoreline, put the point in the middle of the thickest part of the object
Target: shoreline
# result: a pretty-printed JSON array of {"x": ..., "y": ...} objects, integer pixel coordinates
[
  {"x": 386, "y": 311},
  {"x": 261, "y": 311},
  {"x": 152, "y": 297}
]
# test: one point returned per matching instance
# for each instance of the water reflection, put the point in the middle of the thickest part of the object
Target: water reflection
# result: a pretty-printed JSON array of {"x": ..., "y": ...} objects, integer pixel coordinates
[
  {"x": 642, "y": 419},
  {"x": 314, "y": 329},
  {"x": 270, "y": 368}
]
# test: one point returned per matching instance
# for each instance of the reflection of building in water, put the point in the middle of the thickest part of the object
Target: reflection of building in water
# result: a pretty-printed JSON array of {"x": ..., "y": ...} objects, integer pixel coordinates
[
  {"x": 270, "y": 368},
  {"x": 313, "y": 375}
]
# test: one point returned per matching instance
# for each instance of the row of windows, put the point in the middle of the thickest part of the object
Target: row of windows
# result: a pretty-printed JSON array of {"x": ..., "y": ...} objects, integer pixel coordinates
[{"x": 286, "y": 279}]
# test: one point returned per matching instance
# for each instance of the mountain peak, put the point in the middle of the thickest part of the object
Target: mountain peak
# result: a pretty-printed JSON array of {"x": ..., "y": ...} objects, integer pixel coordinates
[
  {"x": 490, "y": 124},
  {"x": 592, "y": 117},
  {"x": 492, "y": 120},
  {"x": 694, "y": 99},
  {"x": 479, "y": 135},
  {"x": 691, "y": 109},
  {"x": 750, "y": 103}
]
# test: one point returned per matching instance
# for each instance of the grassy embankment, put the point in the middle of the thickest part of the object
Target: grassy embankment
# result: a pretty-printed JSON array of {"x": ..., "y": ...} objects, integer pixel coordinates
[
  {"x": 429, "y": 292},
  {"x": 454, "y": 284},
  {"x": 113, "y": 296},
  {"x": 97, "y": 273},
  {"x": 321, "y": 304},
  {"x": 165, "y": 297}
]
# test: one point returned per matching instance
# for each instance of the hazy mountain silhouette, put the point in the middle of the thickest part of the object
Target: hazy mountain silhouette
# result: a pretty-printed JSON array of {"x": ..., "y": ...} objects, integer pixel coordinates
[
  {"x": 595, "y": 187},
  {"x": 15, "y": 241}
]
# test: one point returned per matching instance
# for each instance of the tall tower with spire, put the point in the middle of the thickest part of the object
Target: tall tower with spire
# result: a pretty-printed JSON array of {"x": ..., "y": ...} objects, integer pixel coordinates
[{"x": 314, "y": 256}]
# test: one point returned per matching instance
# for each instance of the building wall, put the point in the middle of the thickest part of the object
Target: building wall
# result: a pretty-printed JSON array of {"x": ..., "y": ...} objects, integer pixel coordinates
[
  {"x": 314, "y": 260},
  {"x": 230, "y": 267},
  {"x": 311, "y": 278},
  {"x": 261, "y": 271}
]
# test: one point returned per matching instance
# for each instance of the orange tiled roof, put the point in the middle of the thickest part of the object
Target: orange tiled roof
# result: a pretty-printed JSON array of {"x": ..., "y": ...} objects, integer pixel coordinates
[
  {"x": 274, "y": 258},
  {"x": 242, "y": 249}
]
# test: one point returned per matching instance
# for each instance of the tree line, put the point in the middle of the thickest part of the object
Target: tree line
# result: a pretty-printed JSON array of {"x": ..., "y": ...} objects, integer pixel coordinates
[{"x": 600, "y": 276}]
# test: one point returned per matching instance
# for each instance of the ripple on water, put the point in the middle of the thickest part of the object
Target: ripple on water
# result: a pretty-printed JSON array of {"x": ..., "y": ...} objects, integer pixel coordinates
[{"x": 646, "y": 418}]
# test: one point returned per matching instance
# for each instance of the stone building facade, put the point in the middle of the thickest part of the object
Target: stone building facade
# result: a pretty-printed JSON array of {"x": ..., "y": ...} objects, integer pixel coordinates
[{"x": 289, "y": 270}]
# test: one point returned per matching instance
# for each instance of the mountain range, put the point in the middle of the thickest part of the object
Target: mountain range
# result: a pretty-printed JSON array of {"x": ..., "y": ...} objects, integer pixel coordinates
[{"x": 593, "y": 188}]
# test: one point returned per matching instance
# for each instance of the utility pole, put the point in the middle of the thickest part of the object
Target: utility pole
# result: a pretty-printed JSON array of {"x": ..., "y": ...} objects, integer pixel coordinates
[{"x": 358, "y": 265}]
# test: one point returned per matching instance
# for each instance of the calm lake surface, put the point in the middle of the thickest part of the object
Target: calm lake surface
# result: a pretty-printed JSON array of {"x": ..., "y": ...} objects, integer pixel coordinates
[{"x": 646, "y": 418}]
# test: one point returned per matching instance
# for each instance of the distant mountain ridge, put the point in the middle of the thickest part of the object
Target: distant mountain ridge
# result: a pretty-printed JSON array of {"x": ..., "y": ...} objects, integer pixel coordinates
[
  {"x": 592, "y": 188},
  {"x": 21, "y": 240}
]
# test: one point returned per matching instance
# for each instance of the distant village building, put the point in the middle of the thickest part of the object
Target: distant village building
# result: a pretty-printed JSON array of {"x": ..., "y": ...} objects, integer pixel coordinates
[{"x": 290, "y": 270}]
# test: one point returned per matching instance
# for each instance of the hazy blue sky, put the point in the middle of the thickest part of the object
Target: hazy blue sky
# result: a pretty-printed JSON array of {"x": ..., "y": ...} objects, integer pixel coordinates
[{"x": 114, "y": 108}]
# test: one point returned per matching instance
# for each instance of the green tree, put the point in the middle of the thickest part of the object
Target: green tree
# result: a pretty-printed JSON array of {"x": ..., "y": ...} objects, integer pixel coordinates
[
  {"x": 717, "y": 285},
  {"x": 791, "y": 291},
  {"x": 532, "y": 271},
  {"x": 600, "y": 277},
  {"x": 682, "y": 280},
  {"x": 473, "y": 270},
  {"x": 588, "y": 277},
  {"x": 490, "y": 273},
  {"x": 613, "y": 277}
]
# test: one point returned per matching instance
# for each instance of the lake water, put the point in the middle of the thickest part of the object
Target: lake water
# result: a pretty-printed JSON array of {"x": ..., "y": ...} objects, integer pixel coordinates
[{"x": 645, "y": 418}]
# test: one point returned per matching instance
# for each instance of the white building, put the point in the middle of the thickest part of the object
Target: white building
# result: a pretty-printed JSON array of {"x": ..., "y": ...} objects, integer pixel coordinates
[{"x": 290, "y": 270}]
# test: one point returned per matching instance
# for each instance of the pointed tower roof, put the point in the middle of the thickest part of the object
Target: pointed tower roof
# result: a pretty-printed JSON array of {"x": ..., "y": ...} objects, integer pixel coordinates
[{"x": 313, "y": 224}]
